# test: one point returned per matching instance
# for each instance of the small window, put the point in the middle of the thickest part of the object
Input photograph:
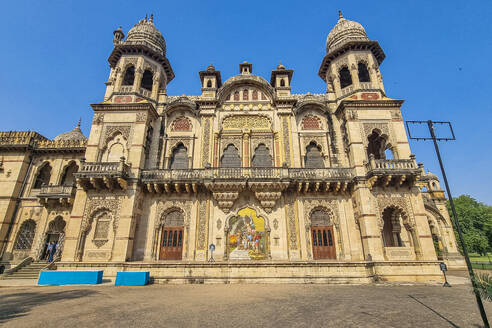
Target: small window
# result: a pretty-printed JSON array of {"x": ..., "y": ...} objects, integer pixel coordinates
[
  {"x": 236, "y": 95},
  {"x": 129, "y": 76},
  {"x": 345, "y": 77},
  {"x": 209, "y": 84},
  {"x": 363, "y": 73},
  {"x": 245, "y": 95},
  {"x": 282, "y": 83},
  {"x": 255, "y": 95},
  {"x": 314, "y": 238},
  {"x": 147, "y": 80}
]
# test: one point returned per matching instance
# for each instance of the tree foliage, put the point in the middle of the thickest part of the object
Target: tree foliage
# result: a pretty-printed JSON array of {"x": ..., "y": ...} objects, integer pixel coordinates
[{"x": 476, "y": 223}]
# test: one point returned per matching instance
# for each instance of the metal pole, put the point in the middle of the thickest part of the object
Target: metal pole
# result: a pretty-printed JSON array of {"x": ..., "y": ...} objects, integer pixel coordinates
[{"x": 460, "y": 234}]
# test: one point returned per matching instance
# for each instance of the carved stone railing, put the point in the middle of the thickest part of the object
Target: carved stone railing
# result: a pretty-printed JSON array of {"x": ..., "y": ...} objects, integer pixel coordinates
[
  {"x": 396, "y": 171},
  {"x": 57, "y": 191},
  {"x": 126, "y": 88},
  {"x": 99, "y": 175},
  {"x": 146, "y": 93},
  {"x": 247, "y": 173},
  {"x": 321, "y": 174}
]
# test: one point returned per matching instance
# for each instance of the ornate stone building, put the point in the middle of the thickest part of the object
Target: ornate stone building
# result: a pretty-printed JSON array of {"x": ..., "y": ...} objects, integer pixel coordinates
[{"x": 287, "y": 187}]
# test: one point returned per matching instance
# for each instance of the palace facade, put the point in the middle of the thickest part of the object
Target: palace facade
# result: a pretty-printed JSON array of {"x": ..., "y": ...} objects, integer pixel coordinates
[{"x": 274, "y": 186}]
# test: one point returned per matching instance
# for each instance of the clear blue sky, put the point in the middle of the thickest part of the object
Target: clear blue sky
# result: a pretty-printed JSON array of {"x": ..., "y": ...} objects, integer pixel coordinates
[{"x": 54, "y": 57}]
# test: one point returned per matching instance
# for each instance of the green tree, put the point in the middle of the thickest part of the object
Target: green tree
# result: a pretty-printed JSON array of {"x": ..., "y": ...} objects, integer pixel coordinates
[{"x": 476, "y": 223}]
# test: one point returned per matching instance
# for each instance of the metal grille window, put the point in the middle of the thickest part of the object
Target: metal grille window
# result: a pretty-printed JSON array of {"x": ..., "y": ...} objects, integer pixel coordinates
[
  {"x": 26, "y": 235},
  {"x": 102, "y": 227}
]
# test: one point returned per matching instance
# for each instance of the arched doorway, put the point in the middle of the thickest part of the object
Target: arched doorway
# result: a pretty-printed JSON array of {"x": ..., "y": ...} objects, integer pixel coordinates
[
  {"x": 322, "y": 235},
  {"x": 56, "y": 235},
  {"x": 171, "y": 246},
  {"x": 247, "y": 236}
]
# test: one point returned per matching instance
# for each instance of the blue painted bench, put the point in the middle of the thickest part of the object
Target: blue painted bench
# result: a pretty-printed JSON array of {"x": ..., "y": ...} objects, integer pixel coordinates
[
  {"x": 132, "y": 278},
  {"x": 70, "y": 277}
]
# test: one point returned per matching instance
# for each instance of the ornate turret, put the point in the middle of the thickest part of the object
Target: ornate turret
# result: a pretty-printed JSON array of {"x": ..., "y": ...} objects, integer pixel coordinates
[
  {"x": 139, "y": 67},
  {"x": 352, "y": 61}
]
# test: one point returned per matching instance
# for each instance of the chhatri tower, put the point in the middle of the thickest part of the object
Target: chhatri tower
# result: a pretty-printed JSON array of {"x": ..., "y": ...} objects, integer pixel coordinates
[{"x": 281, "y": 187}]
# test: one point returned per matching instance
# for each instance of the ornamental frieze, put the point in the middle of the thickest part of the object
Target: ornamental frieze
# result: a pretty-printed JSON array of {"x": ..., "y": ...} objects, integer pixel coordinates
[{"x": 246, "y": 122}]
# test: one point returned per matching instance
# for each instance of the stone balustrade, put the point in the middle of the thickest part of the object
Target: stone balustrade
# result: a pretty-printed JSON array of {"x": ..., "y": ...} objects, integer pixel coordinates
[
  {"x": 395, "y": 172},
  {"x": 57, "y": 193},
  {"x": 100, "y": 175}
]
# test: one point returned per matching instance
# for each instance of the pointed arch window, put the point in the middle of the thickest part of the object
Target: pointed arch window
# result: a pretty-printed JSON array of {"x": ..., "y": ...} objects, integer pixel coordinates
[
  {"x": 209, "y": 84},
  {"x": 231, "y": 157},
  {"x": 363, "y": 73},
  {"x": 147, "y": 80},
  {"x": 43, "y": 178},
  {"x": 26, "y": 235},
  {"x": 129, "y": 76},
  {"x": 68, "y": 178},
  {"x": 345, "y": 77},
  {"x": 179, "y": 158},
  {"x": 313, "y": 158},
  {"x": 262, "y": 157}
]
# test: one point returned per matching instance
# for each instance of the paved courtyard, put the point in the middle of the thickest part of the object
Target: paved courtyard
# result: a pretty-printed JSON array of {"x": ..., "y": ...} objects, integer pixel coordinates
[{"x": 240, "y": 306}]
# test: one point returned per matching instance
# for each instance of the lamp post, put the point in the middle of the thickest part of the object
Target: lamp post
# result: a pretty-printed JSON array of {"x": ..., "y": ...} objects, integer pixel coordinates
[{"x": 433, "y": 137}]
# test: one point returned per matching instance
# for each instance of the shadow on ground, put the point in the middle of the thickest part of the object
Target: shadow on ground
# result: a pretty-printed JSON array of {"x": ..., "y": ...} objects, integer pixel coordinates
[{"x": 18, "y": 305}]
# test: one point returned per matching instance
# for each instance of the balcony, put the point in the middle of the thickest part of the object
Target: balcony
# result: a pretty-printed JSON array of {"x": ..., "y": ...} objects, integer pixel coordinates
[
  {"x": 326, "y": 179},
  {"x": 103, "y": 175},
  {"x": 384, "y": 173},
  {"x": 59, "y": 193}
]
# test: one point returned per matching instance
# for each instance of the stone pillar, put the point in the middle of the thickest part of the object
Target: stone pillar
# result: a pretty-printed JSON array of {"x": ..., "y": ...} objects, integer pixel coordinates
[
  {"x": 138, "y": 79},
  {"x": 155, "y": 85},
  {"x": 354, "y": 73},
  {"x": 246, "y": 150},
  {"x": 368, "y": 222}
]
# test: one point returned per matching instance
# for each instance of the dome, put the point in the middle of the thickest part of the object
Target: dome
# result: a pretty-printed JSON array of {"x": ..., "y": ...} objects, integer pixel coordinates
[
  {"x": 145, "y": 32},
  {"x": 74, "y": 135},
  {"x": 345, "y": 31}
]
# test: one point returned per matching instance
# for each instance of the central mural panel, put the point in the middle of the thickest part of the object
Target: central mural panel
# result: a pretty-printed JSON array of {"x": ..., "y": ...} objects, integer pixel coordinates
[{"x": 247, "y": 236}]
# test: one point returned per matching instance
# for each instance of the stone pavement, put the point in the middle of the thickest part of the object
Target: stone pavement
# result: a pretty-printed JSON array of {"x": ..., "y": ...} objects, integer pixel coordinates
[{"x": 240, "y": 306}]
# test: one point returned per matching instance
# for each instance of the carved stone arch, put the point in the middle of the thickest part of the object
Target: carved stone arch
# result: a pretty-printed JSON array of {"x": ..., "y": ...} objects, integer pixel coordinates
[
  {"x": 315, "y": 218},
  {"x": 256, "y": 140},
  {"x": 168, "y": 206},
  {"x": 181, "y": 124},
  {"x": 179, "y": 155},
  {"x": 262, "y": 156},
  {"x": 57, "y": 225},
  {"x": 311, "y": 122},
  {"x": 181, "y": 105},
  {"x": 259, "y": 212},
  {"x": 311, "y": 204},
  {"x": 115, "y": 147},
  {"x": 166, "y": 220}
]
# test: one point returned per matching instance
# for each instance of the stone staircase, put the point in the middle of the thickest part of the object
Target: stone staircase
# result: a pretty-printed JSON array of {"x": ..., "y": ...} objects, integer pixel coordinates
[{"x": 30, "y": 271}]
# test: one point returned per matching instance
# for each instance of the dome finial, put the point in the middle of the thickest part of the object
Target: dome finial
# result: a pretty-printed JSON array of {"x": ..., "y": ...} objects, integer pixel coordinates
[
  {"x": 151, "y": 18},
  {"x": 80, "y": 121},
  {"x": 340, "y": 16}
]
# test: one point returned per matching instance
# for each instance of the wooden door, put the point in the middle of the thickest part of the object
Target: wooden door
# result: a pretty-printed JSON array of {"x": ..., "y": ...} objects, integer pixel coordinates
[
  {"x": 171, "y": 243},
  {"x": 323, "y": 243}
]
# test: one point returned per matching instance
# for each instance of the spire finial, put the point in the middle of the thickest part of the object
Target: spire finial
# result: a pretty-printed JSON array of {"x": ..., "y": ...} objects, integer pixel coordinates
[
  {"x": 145, "y": 17},
  {"x": 151, "y": 18},
  {"x": 340, "y": 16},
  {"x": 80, "y": 121}
]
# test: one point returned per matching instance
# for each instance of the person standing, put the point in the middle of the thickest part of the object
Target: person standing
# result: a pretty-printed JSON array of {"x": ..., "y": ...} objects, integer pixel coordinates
[
  {"x": 48, "y": 251},
  {"x": 52, "y": 252}
]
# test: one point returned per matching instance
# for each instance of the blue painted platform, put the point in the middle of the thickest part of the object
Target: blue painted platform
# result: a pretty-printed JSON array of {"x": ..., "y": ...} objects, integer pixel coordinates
[
  {"x": 132, "y": 278},
  {"x": 70, "y": 277}
]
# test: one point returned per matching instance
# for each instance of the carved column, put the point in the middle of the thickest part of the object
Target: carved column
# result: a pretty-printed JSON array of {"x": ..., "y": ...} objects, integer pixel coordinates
[
  {"x": 246, "y": 150},
  {"x": 155, "y": 85},
  {"x": 355, "y": 76},
  {"x": 138, "y": 79}
]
